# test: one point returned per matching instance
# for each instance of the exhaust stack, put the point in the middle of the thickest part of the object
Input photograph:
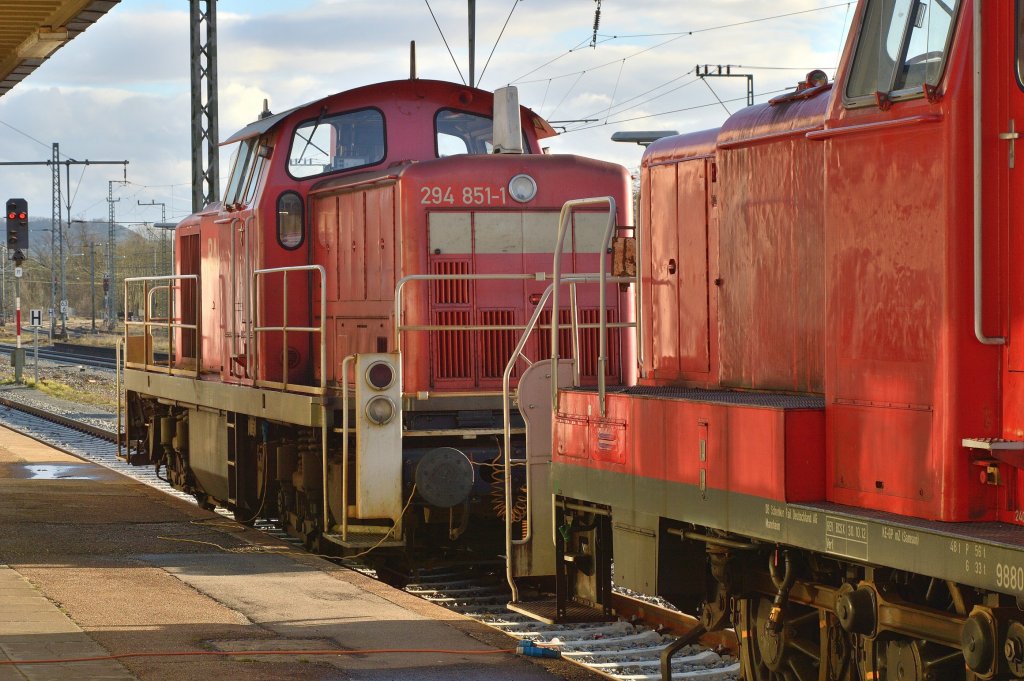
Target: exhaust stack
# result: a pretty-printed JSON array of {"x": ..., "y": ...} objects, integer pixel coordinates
[{"x": 508, "y": 131}]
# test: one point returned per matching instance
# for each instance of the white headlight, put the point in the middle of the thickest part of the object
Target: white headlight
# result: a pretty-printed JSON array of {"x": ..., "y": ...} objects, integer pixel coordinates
[
  {"x": 522, "y": 188},
  {"x": 380, "y": 410}
]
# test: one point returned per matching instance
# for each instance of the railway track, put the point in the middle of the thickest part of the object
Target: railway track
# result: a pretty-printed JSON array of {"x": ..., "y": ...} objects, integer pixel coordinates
[
  {"x": 72, "y": 354},
  {"x": 621, "y": 650}
]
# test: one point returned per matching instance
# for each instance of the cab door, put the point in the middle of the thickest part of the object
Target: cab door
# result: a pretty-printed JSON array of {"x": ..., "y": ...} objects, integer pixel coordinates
[{"x": 1003, "y": 149}]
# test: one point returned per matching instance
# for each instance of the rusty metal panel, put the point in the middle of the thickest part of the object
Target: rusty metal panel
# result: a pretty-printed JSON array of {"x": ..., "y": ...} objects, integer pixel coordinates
[
  {"x": 772, "y": 266},
  {"x": 692, "y": 275},
  {"x": 325, "y": 215},
  {"x": 351, "y": 246},
  {"x": 380, "y": 244},
  {"x": 662, "y": 282}
]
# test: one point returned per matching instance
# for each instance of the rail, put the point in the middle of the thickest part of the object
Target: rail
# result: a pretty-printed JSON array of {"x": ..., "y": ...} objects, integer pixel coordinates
[
  {"x": 172, "y": 324},
  {"x": 321, "y": 330},
  {"x": 568, "y": 208}
]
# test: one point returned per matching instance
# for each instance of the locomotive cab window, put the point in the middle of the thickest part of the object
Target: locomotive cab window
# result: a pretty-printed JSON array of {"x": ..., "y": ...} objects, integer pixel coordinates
[
  {"x": 290, "y": 220},
  {"x": 328, "y": 144},
  {"x": 1020, "y": 43},
  {"x": 458, "y": 132},
  {"x": 903, "y": 44},
  {"x": 240, "y": 161}
]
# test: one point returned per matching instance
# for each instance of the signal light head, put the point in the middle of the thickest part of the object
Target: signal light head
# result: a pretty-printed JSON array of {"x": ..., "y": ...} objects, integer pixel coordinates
[
  {"x": 380, "y": 375},
  {"x": 380, "y": 410},
  {"x": 11, "y": 216}
]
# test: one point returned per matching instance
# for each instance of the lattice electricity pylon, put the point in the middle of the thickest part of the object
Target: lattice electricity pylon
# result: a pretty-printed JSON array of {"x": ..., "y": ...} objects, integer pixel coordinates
[{"x": 205, "y": 166}]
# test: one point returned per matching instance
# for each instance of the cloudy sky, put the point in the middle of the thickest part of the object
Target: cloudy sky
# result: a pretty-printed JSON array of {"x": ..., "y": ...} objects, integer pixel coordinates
[{"x": 121, "y": 90}]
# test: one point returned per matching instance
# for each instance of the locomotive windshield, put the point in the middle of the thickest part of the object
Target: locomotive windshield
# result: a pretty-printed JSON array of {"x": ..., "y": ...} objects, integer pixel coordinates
[
  {"x": 459, "y": 132},
  {"x": 246, "y": 167},
  {"x": 902, "y": 45},
  {"x": 337, "y": 142}
]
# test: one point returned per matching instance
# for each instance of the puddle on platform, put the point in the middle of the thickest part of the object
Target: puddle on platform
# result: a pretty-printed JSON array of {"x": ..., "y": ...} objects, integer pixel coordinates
[{"x": 61, "y": 471}]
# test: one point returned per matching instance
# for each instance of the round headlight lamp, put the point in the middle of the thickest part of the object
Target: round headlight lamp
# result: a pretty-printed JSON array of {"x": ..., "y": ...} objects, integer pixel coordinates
[
  {"x": 522, "y": 188},
  {"x": 380, "y": 375},
  {"x": 380, "y": 410}
]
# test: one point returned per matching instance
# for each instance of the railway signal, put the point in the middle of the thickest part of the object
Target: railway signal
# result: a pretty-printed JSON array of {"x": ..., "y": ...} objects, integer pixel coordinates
[{"x": 17, "y": 227}]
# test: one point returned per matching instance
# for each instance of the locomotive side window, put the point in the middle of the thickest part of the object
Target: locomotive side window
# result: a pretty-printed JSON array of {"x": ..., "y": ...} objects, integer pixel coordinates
[
  {"x": 459, "y": 132},
  {"x": 290, "y": 220},
  {"x": 902, "y": 45},
  {"x": 1020, "y": 43},
  {"x": 239, "y": 165},
  {"x": 338, "y": 142}
]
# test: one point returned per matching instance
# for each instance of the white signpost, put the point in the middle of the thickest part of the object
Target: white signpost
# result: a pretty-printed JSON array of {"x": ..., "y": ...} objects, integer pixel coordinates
[{"x": 35, "y": 320}]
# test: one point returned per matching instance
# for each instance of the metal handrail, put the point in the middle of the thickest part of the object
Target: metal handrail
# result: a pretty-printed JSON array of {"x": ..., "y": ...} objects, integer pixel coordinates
[
  {"x": 345, "y": 363},
  {"x": 148, "y": 323},
  {"x": 506, "y": 394},
  {"x": 602, "y": 352},
  {"x": 285, "y": 328}
]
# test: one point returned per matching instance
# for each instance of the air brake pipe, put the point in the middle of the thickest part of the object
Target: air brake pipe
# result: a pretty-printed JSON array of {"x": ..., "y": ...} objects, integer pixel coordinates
[
  {"x": 978, "y": 189},
  {"x": 716, "y": 541}
]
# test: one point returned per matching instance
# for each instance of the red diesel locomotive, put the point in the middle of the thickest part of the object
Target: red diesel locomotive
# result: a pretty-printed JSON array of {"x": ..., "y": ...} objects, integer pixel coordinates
[
  {"x": 825, "y": 445},
  {"x": 341, "y": 322}
]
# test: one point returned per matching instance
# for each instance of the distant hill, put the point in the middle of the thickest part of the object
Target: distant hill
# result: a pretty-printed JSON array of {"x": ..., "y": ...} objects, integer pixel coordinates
[{"x": 76, "y": 234}]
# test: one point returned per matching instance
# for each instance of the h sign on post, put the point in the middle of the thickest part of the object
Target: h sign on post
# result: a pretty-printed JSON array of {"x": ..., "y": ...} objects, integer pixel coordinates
[{"x": 36, "y": 317}]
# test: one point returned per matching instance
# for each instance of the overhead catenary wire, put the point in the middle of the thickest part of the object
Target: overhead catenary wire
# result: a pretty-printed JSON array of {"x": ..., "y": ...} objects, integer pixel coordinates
[
  {"x": 677, "y": 35},
  {"x": 615, "y": 90},
  {"x": 515, "y": 3},
  {"x": 445, "y": 40},
  {"x": 705, "y": 81},
  {"x": 675, "y": 111}
]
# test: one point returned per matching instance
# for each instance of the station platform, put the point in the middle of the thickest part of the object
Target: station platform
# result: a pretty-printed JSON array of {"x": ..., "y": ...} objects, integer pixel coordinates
[{"x": 103, "y": 577}]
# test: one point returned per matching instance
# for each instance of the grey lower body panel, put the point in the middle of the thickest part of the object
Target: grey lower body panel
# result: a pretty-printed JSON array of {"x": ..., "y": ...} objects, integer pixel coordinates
[
  {"x": 285, "y": 407},
  {"x": 985, "y": 555}
]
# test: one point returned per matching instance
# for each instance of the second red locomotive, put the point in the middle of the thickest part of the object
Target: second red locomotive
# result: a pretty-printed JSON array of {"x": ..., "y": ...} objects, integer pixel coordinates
[{"x": 824, "y": 448}]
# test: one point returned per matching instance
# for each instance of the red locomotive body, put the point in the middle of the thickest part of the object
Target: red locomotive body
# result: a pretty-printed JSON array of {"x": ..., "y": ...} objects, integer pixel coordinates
[
  {"x": 341, "y": 322},
  {"x": 824, "y": 445}
]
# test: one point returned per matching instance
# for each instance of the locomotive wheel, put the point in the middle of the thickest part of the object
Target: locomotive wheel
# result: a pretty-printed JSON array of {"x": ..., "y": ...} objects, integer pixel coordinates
[{"x": 793, "y": 654}]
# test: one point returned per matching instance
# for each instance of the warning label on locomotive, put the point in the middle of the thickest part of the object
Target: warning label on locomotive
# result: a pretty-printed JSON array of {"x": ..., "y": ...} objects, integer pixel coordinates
[{"x": 846, "y": 537}]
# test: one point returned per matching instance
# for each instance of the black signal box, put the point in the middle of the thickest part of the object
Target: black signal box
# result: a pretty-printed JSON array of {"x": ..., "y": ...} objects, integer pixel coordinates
[{"x": 17, "y": 224}]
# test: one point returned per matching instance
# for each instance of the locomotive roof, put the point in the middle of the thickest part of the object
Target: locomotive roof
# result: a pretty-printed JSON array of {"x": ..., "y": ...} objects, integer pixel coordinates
[{"x": 443, "y": 92}]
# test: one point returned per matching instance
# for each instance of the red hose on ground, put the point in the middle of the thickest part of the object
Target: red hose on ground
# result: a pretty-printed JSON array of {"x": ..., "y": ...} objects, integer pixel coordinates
[{"x": 260, "y": 652}]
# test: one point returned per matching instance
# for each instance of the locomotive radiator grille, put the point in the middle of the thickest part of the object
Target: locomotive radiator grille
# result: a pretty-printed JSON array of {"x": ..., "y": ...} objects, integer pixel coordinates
[
  {"x": 451, "y": 351},
  {"x": 450, "y": 302},
  {"x": 496, "y": 346},
  {"x": 447, "y": 291}
]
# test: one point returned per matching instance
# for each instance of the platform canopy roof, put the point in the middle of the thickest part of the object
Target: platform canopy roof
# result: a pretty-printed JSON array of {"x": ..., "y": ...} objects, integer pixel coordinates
[{"x": 32, "y": 30}]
